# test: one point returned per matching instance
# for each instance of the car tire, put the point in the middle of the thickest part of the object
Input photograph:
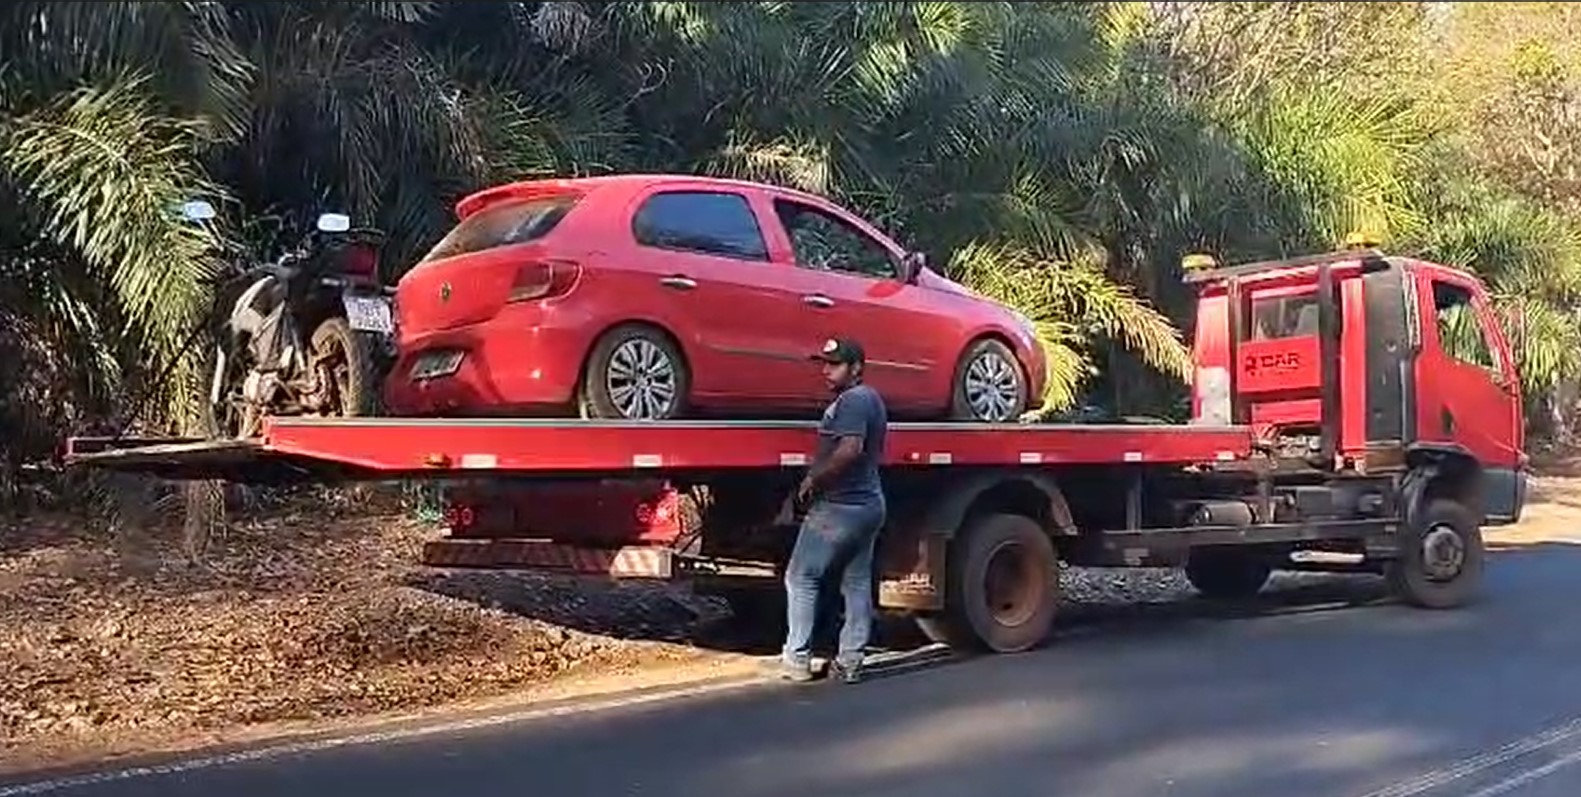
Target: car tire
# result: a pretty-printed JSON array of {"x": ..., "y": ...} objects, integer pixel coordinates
[
  {"x": 642, "y": 358},
  {"x": 988, "y": 363}
]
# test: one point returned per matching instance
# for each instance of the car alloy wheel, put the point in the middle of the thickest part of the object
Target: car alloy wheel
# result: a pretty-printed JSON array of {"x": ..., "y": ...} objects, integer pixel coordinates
[
  {"x": 992, "y": 386},
  {"x": 641, "y": 380}
]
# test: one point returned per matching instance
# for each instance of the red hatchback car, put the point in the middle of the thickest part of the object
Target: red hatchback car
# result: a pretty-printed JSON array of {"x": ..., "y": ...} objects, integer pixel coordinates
[{"x": 654, "y": 297}]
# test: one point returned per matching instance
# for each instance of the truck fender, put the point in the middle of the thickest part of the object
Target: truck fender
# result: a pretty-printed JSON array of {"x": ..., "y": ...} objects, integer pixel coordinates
[
  {"x": 1034, "y": 495},
  {"x": 1440, "y": 471},
  {"x": 1413, "y": 491}
]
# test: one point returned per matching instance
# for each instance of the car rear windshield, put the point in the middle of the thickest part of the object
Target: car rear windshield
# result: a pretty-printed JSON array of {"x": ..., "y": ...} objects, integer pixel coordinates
[{"x": 503, "y": 225}]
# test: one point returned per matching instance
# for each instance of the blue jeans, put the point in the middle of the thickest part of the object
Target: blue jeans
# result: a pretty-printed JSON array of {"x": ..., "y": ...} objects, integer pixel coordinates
[{"x": 832, "y": 535}]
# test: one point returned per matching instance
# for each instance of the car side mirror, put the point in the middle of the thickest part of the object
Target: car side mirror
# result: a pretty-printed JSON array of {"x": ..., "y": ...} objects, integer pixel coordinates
[
  {"x": 334, "y": 222},
  {"x": 911, "y": 265}
]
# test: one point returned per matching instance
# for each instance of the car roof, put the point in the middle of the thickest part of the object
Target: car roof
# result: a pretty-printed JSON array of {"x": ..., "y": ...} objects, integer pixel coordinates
[{"x": 631, "y": 182}]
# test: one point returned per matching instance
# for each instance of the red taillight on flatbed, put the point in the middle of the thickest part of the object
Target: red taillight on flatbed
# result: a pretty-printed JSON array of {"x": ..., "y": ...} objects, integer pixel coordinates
[{"x": 541, "y": 279}]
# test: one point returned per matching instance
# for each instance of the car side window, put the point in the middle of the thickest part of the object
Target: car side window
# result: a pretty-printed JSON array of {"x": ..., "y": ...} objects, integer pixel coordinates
[
  {"x": 709, "y": 222},
  {"x": 1460, "y": 331},
  {"x": 825, "y": 242}
]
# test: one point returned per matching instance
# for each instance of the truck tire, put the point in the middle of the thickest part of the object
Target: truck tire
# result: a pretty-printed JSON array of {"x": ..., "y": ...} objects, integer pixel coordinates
[
  {"x": 1001, "y": 587},
  {"x": 1223, "y": 574},
  {"x": 1440, "y": 562}
]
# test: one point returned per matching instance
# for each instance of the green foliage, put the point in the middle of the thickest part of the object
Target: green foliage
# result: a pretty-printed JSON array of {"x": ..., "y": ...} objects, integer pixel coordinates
[
  {"x": 1075, "y": 309},
  {"x": 1057, "y": 156},
  {"x": 1531, "y": 258}
]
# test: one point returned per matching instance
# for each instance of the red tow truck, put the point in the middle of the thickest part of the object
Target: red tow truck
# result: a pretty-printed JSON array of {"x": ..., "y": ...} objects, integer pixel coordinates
[{"x": 1353, "y": 412}]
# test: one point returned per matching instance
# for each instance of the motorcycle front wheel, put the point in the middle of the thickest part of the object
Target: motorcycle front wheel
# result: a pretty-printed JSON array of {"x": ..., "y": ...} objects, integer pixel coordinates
[
  {"x": 347, "y": 376},
  {"x": 226, "y": 414}
]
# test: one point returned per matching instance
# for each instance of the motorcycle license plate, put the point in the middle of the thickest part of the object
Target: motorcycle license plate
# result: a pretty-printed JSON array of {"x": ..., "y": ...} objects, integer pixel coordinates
[
  {"x": 368, "y": 313},
  {"x": 436, "y": 364}
]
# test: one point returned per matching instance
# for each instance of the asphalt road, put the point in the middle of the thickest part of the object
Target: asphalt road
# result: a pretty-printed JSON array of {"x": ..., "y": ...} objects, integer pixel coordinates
[{"x": 1304, "y": 698}]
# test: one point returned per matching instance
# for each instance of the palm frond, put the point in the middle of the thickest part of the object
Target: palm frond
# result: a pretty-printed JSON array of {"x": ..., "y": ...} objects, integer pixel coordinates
[
  {"x": 105, "y": 173},
  {"x": 1073, "y": 305},
  {"x": 800, "y": 164}
]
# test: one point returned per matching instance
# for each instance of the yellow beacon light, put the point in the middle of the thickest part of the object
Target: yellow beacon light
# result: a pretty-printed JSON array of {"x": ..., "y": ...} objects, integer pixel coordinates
[
  {"x": 1198, "y": 262},
  {"x": 1361, "y": 239}
]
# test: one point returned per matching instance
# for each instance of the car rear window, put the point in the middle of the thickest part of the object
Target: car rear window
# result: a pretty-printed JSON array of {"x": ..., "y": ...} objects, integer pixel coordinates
[{"x": 503, "y": 225}]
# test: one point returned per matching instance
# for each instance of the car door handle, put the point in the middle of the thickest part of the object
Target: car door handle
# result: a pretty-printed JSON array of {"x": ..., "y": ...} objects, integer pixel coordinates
[
  {"x": 679, "y": 282},
  {"x": 817, "y": 300}
]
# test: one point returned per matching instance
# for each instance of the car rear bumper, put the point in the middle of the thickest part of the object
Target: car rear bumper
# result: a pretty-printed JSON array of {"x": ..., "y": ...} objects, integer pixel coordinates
[{"x": 517, "y": 361}]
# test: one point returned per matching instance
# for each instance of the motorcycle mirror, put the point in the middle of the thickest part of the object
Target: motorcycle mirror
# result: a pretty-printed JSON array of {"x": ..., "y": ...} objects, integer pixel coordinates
[
  {"x": 197, "y": 210},
  {"x": 334, "y": 222}
]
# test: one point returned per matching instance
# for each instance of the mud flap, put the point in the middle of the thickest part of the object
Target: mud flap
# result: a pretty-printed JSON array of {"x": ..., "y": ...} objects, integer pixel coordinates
[{"x": 911, "y": 571}]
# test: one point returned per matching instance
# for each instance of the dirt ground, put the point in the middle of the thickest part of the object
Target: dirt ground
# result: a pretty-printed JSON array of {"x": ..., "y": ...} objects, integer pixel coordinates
[
  {"x": 1553, "y": 509},
  {"x": 310, "y": 616},
  {"x": 295, "y": 618}
]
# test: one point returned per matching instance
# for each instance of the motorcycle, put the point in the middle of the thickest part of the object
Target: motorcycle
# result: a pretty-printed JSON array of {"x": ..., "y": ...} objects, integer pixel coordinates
[{"x": 308, "y": 334}]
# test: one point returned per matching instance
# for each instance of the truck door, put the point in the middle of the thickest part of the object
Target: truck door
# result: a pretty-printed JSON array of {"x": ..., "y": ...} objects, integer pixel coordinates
[{"x": 1468, "y": 393}]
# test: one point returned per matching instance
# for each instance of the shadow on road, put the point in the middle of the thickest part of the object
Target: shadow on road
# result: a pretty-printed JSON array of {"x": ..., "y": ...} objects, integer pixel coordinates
[
  {"x": 668, "y": 614},
  {"x": 1226, "y": 709}
]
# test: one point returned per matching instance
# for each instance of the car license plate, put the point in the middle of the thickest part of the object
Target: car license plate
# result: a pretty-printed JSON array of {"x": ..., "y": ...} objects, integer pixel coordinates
[
  {"x": 368, "y": 313},
  {"x": 436, "y": 364}
]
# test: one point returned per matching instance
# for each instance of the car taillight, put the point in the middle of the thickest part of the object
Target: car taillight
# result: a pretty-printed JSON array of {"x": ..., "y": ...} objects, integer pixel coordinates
[
  {"x": 541, "y": 279},
  {"x": 360, "y": 260}
]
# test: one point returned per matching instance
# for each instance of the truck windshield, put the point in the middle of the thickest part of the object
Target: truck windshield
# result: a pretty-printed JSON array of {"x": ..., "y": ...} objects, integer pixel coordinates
[{"x": 503, "y": 225}]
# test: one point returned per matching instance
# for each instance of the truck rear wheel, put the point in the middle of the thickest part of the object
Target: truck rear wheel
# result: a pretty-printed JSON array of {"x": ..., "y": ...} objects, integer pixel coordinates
[
  {"x": 1001, "y": 588},
  {"x": 1441, "y": 556},
  {"x": 1226, "y": 574}
]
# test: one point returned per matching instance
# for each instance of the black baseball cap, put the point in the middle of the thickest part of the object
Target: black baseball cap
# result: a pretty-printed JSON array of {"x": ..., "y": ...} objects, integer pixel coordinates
[{"x": 841, "y": 351}]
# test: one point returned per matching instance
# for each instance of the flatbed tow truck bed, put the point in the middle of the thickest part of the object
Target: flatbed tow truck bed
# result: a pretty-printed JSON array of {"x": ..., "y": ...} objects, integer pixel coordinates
[{"x": 392, "y": 448}]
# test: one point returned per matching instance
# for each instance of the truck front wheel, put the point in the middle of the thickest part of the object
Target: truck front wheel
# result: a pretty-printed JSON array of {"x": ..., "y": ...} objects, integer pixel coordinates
[
  {"x": 1441, "y": 555},
  {"x": 1001, "y": 587}
]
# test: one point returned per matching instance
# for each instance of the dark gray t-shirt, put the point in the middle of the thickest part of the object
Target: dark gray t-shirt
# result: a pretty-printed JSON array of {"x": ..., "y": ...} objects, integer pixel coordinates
[{"x": 857, "y": 412}]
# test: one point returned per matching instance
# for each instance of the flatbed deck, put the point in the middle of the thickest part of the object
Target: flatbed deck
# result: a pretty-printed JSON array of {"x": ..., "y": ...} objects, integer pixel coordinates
[{"x": 384, "y": 448}]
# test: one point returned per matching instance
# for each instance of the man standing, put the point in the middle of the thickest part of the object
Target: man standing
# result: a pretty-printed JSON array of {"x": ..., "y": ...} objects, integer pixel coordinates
[{"x": 845, "y": 510}]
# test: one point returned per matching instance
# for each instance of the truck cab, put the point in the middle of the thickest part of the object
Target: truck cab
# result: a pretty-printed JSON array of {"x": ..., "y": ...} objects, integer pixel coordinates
[{"x": 1361, "y": 362}]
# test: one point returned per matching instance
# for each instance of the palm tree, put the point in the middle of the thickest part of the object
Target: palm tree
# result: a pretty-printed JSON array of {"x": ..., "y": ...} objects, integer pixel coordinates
[{"x": 1058, "y": 156}]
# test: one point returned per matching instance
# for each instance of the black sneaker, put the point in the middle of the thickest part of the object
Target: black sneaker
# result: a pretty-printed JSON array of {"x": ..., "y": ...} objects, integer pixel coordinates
[{"x": 846, "y": 673}]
